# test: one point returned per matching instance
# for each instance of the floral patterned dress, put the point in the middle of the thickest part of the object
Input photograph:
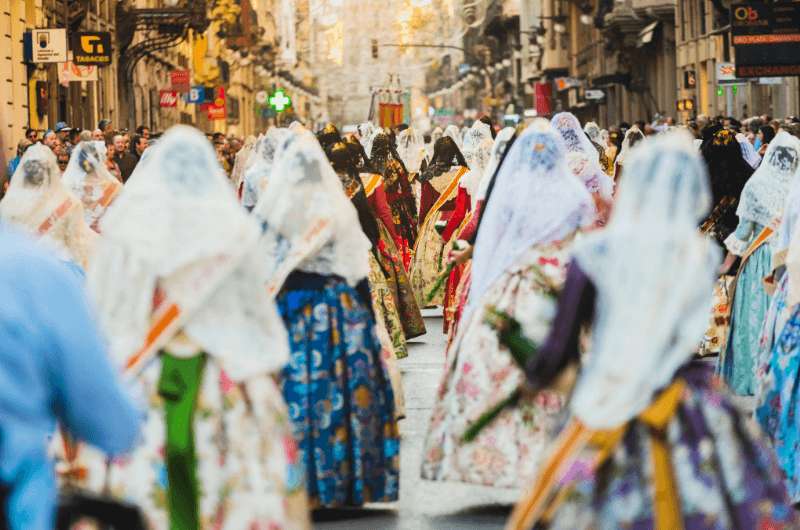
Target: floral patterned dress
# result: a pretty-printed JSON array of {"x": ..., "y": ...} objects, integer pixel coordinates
[
  {"x": 718, "y": 466},
  {"x": 247, "y": 465},
  {"x": 480, "y": 373},
  {"x": 779, "y": 402},
  {"x": 340, "y": 399}
]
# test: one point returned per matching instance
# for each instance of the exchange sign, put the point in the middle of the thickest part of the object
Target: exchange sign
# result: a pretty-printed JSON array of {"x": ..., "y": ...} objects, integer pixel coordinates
[{"x": 766, "y": 38}]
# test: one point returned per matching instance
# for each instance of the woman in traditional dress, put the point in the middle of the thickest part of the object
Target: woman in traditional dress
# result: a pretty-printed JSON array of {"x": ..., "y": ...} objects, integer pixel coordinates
[
  {"x": 778, "y": 365},
  {"x": 632, "y": 137},
  {"x": 477, "y": 152},
  {"x": 653, "y": 440},
  {"x": 728, "y": 172},
  {"x": 178, "y": 281},
  {"x": 760, "y": 209},
  {"x": 240, "y": 163},
  {"x": 468, "y": 234},
  {"x": 593, "y": 132},
  {"x": 440, "y": 182},
  {"x": 38, "y": 202},
  {"x": 390, "y": 257},
  {"x": 518, "y": 263},
  {"x": 384, "y": 261},
  {"x": 583, "y": 157},
  {"x": 385, "y": 161},
  {"x": 89, "y": 180},
  {"x": 340, "y": 399},
  {"x": 259, "y": 165}
]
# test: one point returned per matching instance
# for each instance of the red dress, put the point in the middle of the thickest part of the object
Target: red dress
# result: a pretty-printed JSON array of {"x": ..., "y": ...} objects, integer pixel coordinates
[{"x": 452, "y": 232}]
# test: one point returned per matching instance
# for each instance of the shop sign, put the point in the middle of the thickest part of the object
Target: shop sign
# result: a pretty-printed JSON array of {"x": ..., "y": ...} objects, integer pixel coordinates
[
  {"x": 689, "y": 79},
  {"x": 47, "y": 45},
  {"x": 726, "y": 75},
  {"x": 593, "y": 94},
  {"x": 196, "y": 94},
  {"x": 766, "y": 37},
  {"x": 565, "y": 83},
  {"x": 69, "y": 72},
  {"x": 180, "y": 80},
  {"x": 216, "y": 109},
  {"x": 91, "y": 47},
  {"x": 168, "y": 98}
]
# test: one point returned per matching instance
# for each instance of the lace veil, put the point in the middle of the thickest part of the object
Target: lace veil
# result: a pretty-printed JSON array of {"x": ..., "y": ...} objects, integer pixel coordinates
[
  {"x": 764, "y": 194},
  {"x": 498, "y": 148},
  {"x": 178, "y": 230},
  {"x": 241, "y": 160},
  {"x": 33, "y": 198},
  {"x": 477, "y": 152},
  {"x": 310, "y": 224},
  {"x": 654, "y": 273},
  {"x": 536, "y": 199},
  {"x": 411, "y": 148},
  {"x": 88, "y": 178},
  {"x": 582, "y": 156},
  {"x": 259, "y": 165},
  {"x": 455, "y": 133}
]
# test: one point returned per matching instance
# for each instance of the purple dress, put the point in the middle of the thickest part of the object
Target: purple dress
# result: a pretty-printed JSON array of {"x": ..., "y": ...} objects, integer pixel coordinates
[{"x": 723, "y": 473}]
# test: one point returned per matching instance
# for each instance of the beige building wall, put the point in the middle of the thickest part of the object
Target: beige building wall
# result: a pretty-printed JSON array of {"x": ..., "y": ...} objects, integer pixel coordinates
[{"x": 16, "y": 16}]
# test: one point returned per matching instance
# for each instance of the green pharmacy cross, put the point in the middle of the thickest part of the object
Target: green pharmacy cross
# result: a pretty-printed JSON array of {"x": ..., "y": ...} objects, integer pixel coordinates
[{"x": 280, "y": 101}]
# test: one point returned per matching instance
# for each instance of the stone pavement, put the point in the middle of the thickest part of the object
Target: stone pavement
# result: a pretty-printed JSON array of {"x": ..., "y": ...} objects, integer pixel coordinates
[{"x": 424, "y": 505}]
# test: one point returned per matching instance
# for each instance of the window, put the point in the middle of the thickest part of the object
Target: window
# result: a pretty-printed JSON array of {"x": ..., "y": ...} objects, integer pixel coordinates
[{"x": 702, "y": 16}]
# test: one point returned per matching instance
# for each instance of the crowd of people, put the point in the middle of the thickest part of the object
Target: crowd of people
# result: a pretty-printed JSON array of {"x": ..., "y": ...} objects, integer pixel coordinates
[{"x": 207, "y": 330}]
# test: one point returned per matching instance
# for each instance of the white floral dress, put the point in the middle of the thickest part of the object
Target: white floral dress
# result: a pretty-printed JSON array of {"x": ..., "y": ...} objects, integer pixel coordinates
[{"x": 481, "y": 373}]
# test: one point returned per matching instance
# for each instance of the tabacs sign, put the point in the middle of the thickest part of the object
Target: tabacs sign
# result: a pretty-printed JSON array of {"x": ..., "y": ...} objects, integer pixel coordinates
[{"x": 91, "y": 47}]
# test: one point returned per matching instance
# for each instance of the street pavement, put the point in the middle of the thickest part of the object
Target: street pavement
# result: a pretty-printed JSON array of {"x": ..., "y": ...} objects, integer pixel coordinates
[{"x": 424, "y": 505}]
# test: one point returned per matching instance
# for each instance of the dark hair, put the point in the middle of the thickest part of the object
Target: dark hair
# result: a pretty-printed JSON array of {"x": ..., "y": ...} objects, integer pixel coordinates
[
  {"x": 768, "y": 132},
  {"x": 488, "y": 121},
  {"x": 140, "y": 129}
]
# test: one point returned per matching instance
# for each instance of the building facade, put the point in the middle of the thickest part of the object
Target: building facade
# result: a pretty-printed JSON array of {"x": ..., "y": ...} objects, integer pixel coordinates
[{"x": 704, "y": 50}]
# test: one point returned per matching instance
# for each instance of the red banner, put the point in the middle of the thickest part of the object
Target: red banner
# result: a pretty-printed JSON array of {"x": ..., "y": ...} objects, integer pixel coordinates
[
  {"x": 168, "y": 98},
  {"x": 181, "y": 80},
  {"x": 544, "y": 94},
  {"x": 390, "y": 114}
]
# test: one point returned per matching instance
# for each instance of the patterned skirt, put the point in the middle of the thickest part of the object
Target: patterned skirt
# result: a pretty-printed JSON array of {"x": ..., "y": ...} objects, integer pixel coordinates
[
  {"x": 778, "y": 410},
  {"x": 428, "y": 262},
  {"x": 247, "y": 467},
  {"x": 338, "y": 392},
  {"x": 397, "y": 280},
  {"x": 750, "y": 304},
  {"x": 480, "y": 373},
  {"x": 700, "y": 466}
]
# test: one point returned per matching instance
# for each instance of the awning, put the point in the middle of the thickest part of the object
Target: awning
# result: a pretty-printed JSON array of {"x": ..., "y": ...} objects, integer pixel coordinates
[{"x": 647, "y": 34}]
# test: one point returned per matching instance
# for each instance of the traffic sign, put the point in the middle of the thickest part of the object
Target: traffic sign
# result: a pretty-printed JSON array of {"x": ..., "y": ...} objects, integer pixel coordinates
[
  {"x": 594, "y": 94},
  {"x": 279, "y": 100}
]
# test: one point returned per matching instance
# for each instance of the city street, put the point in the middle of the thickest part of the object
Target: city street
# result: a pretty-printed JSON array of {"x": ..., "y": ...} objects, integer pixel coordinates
[{"x": 424, "y": 505}]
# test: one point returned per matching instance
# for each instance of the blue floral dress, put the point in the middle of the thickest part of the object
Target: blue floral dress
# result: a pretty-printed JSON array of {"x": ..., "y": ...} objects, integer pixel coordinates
[
  {"x": 778, "y": 410},
  {"x": 339, "y": 396},
  {"x": 737, "y": 365}
]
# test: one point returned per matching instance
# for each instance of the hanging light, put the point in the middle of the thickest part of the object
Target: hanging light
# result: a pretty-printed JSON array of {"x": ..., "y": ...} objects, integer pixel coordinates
[
  {"x": 540, "y": 40},
  {"x": 558, "y": 27},
  {"x": 586, "y": 13},
  {"x": 506, "y": 62}
]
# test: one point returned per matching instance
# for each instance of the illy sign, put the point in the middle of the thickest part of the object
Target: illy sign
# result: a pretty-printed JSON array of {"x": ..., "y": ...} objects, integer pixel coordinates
[{"x": 168, "y": 98}]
